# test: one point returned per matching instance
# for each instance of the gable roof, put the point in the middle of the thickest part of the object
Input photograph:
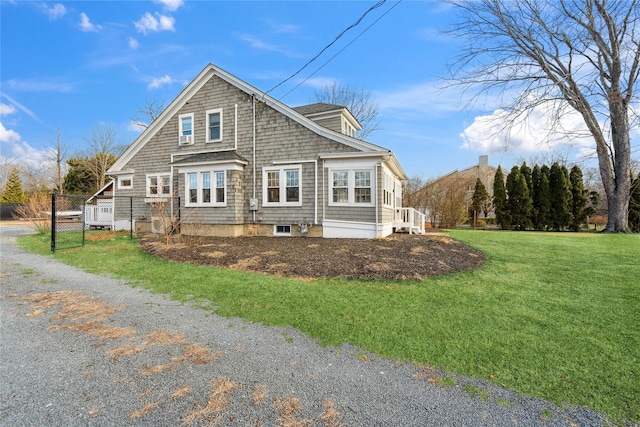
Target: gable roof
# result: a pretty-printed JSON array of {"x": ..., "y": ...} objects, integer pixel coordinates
[
  {"x": 318, "y": 107},
  {"x": 201, "y": 79},
  {"x": 322, "y": 110}
]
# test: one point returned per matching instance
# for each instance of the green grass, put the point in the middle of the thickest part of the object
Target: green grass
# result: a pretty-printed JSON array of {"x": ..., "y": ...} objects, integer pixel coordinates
[{"x": 553, "y": 315}]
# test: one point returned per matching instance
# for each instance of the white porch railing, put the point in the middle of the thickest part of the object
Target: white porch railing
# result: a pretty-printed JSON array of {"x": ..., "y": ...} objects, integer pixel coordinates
[{"x": 410, "y": 219}]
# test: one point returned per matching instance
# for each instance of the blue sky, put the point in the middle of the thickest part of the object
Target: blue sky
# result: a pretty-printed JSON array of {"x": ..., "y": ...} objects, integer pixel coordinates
[{"x": 71, "y": 65}]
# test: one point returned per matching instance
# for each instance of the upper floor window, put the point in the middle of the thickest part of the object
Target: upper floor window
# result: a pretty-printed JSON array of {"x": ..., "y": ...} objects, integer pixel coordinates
[
  {"x": 351, "y": 187},
  {"x": 159, "y": 185},
  {"x": 282, "y": 186},
  {"x": 185, "y": 133},
  {"x": 214, "y": 125}
]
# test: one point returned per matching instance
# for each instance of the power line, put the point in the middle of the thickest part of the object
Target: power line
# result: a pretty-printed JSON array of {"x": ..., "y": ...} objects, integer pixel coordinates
[
  {"x": 340, "y": 51},
  {"x": 375, "y": 6}
]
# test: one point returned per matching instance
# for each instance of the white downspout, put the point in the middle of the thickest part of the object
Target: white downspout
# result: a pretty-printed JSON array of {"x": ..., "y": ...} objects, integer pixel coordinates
[
  {"x": 235, "y": 128},
  {"x": 253, "y": 104},
  {"x": 376, "y": 196}
]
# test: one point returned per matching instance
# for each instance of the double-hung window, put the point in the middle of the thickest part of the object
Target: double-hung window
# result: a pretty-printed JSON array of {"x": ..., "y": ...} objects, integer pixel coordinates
[
  {"x": 185, "y": 131},
  {"x": 159, "y": 185},
  {"x": 214, "y": 125},
  {"x": 351, "y": 187},
  {"x": 206, "y": 188},
  {"x": 282, "y": 186}
]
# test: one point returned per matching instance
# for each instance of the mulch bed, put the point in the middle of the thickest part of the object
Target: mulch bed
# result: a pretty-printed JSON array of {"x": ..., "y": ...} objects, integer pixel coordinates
[{"x": 397, "y": 257}]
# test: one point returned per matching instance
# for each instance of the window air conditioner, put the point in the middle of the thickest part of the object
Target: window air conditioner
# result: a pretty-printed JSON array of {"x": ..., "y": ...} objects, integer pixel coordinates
[{"x": 185, "y": 139}]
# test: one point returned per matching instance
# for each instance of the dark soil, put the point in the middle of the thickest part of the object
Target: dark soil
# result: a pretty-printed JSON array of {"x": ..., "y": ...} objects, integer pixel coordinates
[{"x": 397, "y": 257}]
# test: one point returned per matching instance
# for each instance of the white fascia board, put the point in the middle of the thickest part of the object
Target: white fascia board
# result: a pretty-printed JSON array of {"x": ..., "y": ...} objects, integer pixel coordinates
[
  {"x": 205, "y": 166},
  {"x": 200, "y": 80},
  {"x": 387, "y": 157},
  {"x": 121, "y": 172}
]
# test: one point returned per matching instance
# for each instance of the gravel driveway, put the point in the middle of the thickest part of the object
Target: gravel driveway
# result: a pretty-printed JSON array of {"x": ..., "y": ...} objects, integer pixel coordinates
[{"x": 81, "y": 349}]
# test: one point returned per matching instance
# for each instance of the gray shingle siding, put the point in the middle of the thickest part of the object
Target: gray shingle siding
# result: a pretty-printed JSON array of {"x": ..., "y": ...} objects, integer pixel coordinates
[{"x": 280, "y": 141}]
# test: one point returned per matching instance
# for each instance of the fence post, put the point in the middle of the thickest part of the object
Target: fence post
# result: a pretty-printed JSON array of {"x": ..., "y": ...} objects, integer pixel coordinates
[
  {"x": 53, "y": 222},
  {"x": 130, "y": 217}
]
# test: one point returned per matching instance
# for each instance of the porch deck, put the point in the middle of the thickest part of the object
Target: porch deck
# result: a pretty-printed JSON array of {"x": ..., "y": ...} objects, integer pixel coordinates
[{"x": 410, "y": 220}]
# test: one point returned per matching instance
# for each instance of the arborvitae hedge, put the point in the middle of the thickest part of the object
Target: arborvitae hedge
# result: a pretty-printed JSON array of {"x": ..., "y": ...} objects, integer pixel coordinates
[{"x": 541, "y": 199}]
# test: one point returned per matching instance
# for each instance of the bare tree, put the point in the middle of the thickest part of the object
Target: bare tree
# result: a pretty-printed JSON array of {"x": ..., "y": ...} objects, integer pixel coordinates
[
  {"x": 146, "y": 114},
  {"x": 359, "y": 102},
  {"x": 566, "y": 54},
  {"x": 58, "y": 159},
  {"x": 103, "y": 149}
]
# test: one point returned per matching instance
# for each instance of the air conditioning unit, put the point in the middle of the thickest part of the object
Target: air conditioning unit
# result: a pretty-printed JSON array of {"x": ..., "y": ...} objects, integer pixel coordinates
[
  {"x": 157, "y": 225},
  {"x": 185, "y": 139}
]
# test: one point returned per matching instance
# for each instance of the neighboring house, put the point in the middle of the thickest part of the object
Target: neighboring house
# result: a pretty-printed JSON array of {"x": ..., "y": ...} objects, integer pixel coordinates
[
  {"x": 244, "y": 164},
  {"x": 446, "y": 200}
]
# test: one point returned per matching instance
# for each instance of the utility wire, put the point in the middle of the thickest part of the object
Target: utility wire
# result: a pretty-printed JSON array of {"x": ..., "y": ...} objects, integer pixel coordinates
[
  {"x": 375, "y": 6},
  {"x": 339, "y": 52}
]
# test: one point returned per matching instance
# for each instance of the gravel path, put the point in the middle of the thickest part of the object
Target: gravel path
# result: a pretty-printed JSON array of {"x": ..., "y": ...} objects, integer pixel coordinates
[{"x": 80, "y": 349}]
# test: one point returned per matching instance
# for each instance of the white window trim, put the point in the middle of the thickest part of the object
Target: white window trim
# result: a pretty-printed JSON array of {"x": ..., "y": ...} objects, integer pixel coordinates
[
  {"x": 351, "y": 188},
  {"x": 283, "y": 185},
  {"x": 193, "y": 128},
  {"x": 122, "y": 178},
  {"x": 208, "y": 112},
  {"x": 199, "y": 203},
  {"x": 276, "y": 233},
  {"x": 158, "y": 196},
  {"x": 389, "y": 186}
]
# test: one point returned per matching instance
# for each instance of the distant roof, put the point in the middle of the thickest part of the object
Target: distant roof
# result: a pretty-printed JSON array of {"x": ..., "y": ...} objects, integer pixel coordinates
[
  {"x": 217, "y": 156},
  {"x": 318, "y": 107}
]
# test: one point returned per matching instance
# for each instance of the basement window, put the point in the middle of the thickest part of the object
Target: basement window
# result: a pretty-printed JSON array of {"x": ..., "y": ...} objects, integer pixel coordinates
[{"x": 282, "y": 230}]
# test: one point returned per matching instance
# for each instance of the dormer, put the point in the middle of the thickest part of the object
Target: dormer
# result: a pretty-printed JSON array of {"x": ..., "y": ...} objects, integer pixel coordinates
[{"x": 331, "y": 116}]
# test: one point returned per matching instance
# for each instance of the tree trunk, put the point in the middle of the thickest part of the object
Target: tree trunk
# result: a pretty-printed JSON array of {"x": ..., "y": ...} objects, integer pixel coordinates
[{"x": 618, "y": 189}]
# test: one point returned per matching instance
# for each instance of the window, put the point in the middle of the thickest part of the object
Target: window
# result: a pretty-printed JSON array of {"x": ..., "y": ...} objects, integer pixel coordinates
[
  {"x": 282, "y": 230},
  {"x": 351, "y": 187},
  {"x": 273, "y": 187},
  {"x": 214, "y": 125},
  {"x": 282, "y": 186},
  {"x": 387, "y": 191},
  {"x": 125, "y": 182},
  {"x": 362, "y": 188},
  {"x": 185, "y": 134},
  {"x": 341, "y": 187},
  {"x": 199, "y": 188},
  {"x": 159, "y": 185}
]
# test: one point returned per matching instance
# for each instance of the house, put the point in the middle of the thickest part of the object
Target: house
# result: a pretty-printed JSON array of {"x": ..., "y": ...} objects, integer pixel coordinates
[
  {"x": 233, "y": 161},
  {"x": 445, "y": 201},
  {"x": 98, "y": 209}
]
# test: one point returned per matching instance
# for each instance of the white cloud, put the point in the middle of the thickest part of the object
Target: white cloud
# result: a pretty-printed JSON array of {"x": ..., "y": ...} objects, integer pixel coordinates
[
  {"x": 42, "y": 84},
  {"x": 135, "y": 128},
  {"x": 149, "y": 23},
  {"x": 21, "y": 153},
  {"x": 56, "y": 11},
  {"x": 160, "y": 81},
  {"x": 133, "y": 43},
  {"x": 258, "y": 44},
  {"x": 427, "y": 97},
  {"x": 86, "y": 25},
  {"x": 171, "y": 5},
  {"x": 8, "y": 135},
  {"x": 320, "y": 82},
  {"x": 538, "y": 131},
  {"x": 6, "y": 109},
  {"x": 22, "y": 108}
]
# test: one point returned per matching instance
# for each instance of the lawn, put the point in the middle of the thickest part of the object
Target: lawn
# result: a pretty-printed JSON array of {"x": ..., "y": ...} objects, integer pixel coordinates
[{"x": 553, "y": 315}]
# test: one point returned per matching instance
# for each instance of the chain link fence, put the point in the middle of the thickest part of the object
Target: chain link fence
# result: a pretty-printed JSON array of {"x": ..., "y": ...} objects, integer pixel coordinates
[{"x": 67, "y": 221}]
